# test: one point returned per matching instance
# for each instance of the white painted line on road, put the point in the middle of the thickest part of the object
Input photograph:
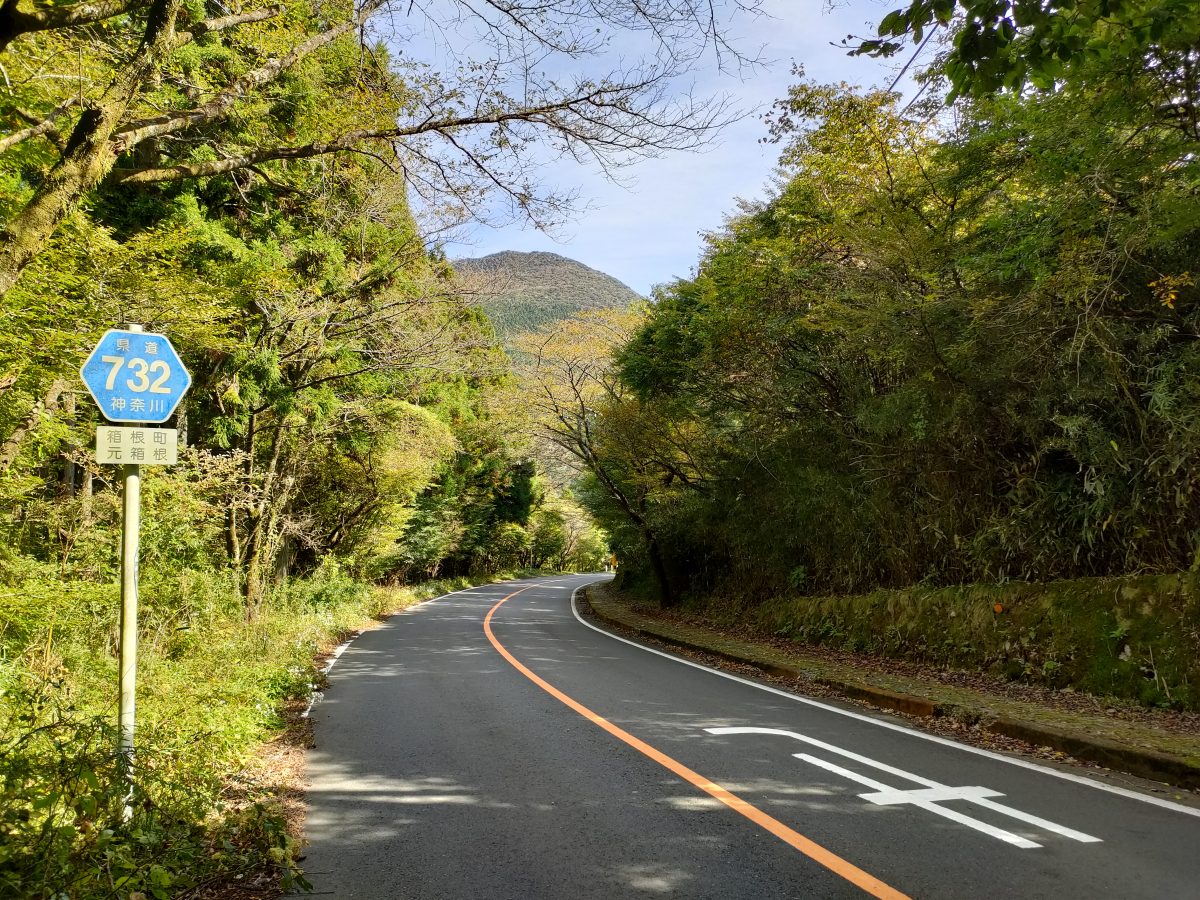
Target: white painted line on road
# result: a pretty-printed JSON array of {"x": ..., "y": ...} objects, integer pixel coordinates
[
  {"x": 812, "y": 741},
  {"x": 316, "y": 696},
  {"x": 846, "y": 773},
  {"x": 893, "y": 726},
  {"x": 893, "y": 797},
  {"x": 1036, "y": 821},
  {"x": 929, "y": 806},
  {"x": 934, "y": 790},
  {"x": 810, "y": 848}
]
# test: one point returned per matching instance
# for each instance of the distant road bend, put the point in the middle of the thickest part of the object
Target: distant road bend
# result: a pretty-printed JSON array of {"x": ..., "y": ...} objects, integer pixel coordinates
[{"x": 492, "y": 744}]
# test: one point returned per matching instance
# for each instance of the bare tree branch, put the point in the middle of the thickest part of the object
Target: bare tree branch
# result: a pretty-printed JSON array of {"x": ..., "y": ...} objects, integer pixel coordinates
[
  {"x": 460, "y": 136},
  {"x": 18, "y": 17},
  {"x": 47, "y": 404},
  {"x": 220, "y": 105},
  {"x": 210, "y": 26},
  {"x": 45, "y": 126},
  {"x": 88, "y": 154}
]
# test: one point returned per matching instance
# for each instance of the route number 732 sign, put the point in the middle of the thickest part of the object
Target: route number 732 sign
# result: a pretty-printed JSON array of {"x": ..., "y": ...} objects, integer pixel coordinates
[{"x": 135, "y": 377}]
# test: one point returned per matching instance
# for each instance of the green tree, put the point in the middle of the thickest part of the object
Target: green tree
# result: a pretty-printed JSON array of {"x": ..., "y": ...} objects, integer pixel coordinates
[
  {"x": 1012, "y": 43},
  {"x": 570, "y": 381},
  {"x": 934, "y": 354},
  {"x": 163, "y": 91}
]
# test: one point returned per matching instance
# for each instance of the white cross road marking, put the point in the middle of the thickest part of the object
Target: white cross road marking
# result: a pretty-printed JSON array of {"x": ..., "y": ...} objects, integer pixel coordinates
[
  {"x": 927, "y": 799},
  {"x": 999, "y": 833},
  {"x": 891, "y": 796},
  {"x": 877, "y": 722}
]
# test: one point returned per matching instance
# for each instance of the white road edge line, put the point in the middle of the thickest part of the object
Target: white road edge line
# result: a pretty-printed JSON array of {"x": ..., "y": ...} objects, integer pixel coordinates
[
  {"x": 892, "y": 726},
  {"x": 316, "y": 696}
]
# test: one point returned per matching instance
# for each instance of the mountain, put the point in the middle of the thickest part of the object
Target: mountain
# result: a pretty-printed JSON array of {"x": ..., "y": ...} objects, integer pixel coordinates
[{"x": 520, "y": 291}]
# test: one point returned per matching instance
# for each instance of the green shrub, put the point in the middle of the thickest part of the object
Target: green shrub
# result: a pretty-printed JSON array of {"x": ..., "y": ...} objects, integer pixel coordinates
[
  {"x": 1136, "y": 637},
  {"x": 212, "y": 685},
  {"x": 328, "y": 586},
  {"x": 64, "y": 830}
]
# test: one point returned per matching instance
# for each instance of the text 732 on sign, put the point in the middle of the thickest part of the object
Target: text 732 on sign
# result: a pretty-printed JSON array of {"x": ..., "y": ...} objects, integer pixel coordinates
[{"x": 135, "y": 377}]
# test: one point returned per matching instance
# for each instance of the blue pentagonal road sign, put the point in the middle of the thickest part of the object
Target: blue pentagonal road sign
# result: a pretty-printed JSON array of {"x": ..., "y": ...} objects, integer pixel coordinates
[{"x": 135, "y": 376}]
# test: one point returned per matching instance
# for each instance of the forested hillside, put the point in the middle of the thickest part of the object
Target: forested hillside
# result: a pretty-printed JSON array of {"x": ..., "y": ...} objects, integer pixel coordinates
[
  {"x": 238, "y": 178},
  {"x": 957, "y": 344},
  {"x": 522, "y": 291}
]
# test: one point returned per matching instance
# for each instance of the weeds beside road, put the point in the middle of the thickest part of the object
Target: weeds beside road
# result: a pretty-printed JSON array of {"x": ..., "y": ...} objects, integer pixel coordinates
[{"x": 213, "y": 689}]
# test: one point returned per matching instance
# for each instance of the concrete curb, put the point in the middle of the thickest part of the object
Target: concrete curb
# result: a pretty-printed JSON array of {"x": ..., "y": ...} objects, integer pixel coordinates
[{"x": 1151, "y": 764}]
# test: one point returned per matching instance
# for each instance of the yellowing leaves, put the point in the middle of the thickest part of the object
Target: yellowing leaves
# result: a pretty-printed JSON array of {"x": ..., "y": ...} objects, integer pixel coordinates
[{"x": 1166, "y": 289}]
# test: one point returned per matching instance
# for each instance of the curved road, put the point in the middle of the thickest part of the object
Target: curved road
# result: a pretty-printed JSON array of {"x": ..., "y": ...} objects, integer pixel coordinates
[{"x": 483, "y": 747}]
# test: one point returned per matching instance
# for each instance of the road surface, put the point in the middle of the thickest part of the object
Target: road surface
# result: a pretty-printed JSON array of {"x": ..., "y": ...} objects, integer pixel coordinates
[{"x": 483, "y": 747}]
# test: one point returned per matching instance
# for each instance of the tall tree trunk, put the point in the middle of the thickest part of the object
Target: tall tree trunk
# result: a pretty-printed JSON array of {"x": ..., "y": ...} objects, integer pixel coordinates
[
  {"x": 284, "y": 559},
  {"x": 48, "y": 403},
  {"x": 262, "y": 540},
  {"x": 90, "y": 151},
  {"x": 86, "y": 490},
  {"x": 255, "y": 584},
  {"x": 658, "y": 566},
  {"x": 181, "y": 424},
  {"x": 233, "y": 541},
  {"x": 67, "y": 481}
]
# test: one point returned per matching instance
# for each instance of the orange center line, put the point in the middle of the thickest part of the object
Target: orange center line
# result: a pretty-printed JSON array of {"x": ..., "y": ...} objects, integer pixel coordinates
[{"x": 808, "y": 847}]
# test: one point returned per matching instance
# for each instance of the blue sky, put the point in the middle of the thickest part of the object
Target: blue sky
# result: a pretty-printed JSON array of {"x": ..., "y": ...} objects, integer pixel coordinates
[{"x": 647, "y": 231}]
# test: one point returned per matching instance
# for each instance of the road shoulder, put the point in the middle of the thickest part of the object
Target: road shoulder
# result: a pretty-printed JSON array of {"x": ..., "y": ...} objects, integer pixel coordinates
[{"x": 1147, "y": 744}]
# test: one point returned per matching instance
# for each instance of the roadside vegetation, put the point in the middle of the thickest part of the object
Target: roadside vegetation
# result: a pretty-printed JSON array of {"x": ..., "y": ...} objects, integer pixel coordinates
[
  {"x": 239, "y": 178},
  {"x": 958, "y": 344},
  {"x": 213, "y": 687}
]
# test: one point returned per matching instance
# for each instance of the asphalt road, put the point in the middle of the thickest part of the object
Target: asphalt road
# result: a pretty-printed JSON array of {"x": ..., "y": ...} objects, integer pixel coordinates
[{"x": 548, "y": 759}]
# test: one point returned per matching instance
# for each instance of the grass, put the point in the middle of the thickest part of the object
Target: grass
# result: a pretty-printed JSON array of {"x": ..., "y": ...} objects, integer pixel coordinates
[
  {"x": 1135, "y": 637},
  {"x": 212, "y": 688},
  {"x": 839, "y": 670}
]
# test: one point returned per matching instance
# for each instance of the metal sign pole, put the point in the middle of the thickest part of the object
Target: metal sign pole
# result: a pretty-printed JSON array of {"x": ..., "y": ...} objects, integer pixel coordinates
[
  {"x": 130, "y": 545},
  {"x": 130, "y": 540},
  {"x": 136, "y": 378}
]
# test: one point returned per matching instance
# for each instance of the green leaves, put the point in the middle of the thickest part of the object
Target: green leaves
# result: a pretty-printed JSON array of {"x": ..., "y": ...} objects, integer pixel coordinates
[
  {"x": 61, "y": 818},
  {"x": 1001, "y": 45},
  {"x": 894, "y": 23},
  {"x": 932, "y": 356}
]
